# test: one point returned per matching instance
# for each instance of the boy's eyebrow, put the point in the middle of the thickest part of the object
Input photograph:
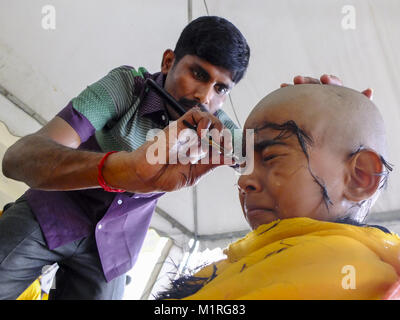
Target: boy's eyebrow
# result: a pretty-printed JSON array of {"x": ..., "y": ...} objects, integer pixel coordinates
[
  {"x": 286, "y": 130},
  {"x": 261, "y": 145}
]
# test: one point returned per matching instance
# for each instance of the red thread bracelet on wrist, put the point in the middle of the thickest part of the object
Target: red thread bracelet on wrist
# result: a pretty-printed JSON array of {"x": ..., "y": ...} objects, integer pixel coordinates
[{"x": 100, "y": 177}]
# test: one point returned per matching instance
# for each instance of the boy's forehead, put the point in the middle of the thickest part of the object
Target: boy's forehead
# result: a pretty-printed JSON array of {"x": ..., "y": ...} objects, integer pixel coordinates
[
  {"x": 304, "y": 112},
  {"x": 335, "y": 117},
  {"x": 262, "y": 116}
]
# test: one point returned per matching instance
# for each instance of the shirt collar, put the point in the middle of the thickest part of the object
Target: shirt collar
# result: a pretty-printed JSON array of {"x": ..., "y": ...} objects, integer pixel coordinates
[{"x": 152, "y": 102}]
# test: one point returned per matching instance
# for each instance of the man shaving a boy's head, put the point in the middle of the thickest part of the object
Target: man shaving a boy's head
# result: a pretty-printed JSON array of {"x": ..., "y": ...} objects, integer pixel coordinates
[{"x": 319, "y": 159}]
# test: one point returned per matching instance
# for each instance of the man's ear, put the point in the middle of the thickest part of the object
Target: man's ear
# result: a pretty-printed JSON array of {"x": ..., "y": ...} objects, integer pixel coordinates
[
  {"x": 167, "y": 61},
  {"x": 364, "y": 175}
]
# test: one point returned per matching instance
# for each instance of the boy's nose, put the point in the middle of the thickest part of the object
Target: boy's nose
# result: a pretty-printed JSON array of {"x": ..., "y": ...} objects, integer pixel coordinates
[{"x": 248, "y": 184}]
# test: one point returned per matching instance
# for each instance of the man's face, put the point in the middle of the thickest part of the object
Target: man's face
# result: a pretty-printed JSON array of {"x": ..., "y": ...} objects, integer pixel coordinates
[
  {"x": 283, "y": 183},
  {"x": 194, "y": 80}
]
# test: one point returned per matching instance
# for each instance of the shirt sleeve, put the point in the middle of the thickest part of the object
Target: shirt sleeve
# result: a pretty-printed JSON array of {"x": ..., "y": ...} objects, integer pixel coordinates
[
  {"x": 77, "y": 121},
  {"x": 107, "y": 99}
]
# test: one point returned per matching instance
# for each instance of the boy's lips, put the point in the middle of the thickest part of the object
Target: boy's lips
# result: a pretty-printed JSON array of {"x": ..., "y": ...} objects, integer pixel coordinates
[{"x": 253, "y": 212}]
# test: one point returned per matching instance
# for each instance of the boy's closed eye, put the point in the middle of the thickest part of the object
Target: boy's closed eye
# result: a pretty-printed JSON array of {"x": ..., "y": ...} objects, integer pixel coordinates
[{"x": 269, "y": 157}]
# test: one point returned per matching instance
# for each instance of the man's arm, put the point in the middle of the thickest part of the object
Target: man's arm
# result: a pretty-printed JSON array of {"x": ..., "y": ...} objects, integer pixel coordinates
[{"x": 48, "y": 160}]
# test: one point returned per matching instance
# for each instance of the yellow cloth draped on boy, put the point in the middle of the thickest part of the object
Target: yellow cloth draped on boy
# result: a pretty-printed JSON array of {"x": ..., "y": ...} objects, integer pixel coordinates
[{"x": 302, "y": 258}]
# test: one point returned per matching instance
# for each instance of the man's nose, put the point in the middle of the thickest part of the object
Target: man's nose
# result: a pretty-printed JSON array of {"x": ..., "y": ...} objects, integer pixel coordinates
[{"x": 204, "y": 94}]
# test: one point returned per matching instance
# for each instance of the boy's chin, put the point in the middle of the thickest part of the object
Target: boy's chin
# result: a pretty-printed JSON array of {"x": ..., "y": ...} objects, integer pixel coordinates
[{"x": 254, "y": 224}]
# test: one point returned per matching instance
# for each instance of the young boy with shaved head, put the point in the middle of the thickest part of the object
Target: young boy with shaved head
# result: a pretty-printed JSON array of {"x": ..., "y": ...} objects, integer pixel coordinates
[
  {"x": 319, "y": 153},
  {"x": 319, "y": 165}
]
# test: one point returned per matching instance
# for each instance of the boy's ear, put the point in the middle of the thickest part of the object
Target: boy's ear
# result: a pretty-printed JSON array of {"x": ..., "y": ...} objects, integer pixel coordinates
[
  {"x": 364, "y": 175},
  {"x": 167, "y": 61}
]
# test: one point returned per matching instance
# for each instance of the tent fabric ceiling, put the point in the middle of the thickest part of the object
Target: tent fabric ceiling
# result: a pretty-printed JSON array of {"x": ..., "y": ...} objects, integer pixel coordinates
[{"x": 44, "y": 69}]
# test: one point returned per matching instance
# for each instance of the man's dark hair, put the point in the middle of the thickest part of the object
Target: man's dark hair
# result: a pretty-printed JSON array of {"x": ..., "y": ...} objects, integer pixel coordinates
[{"x": 217, "y": 41}]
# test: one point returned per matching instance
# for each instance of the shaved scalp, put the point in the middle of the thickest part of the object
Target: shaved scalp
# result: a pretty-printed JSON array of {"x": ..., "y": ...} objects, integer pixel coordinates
[{"x": 334, "y": 116}]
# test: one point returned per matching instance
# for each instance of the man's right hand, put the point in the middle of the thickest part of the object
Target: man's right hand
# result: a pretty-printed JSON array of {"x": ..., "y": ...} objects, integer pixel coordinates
[{"x": 136, "y": 171}]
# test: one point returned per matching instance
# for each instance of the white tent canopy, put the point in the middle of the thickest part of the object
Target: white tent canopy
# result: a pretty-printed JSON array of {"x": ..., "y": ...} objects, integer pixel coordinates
[{"x": 42, "y": 68}]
